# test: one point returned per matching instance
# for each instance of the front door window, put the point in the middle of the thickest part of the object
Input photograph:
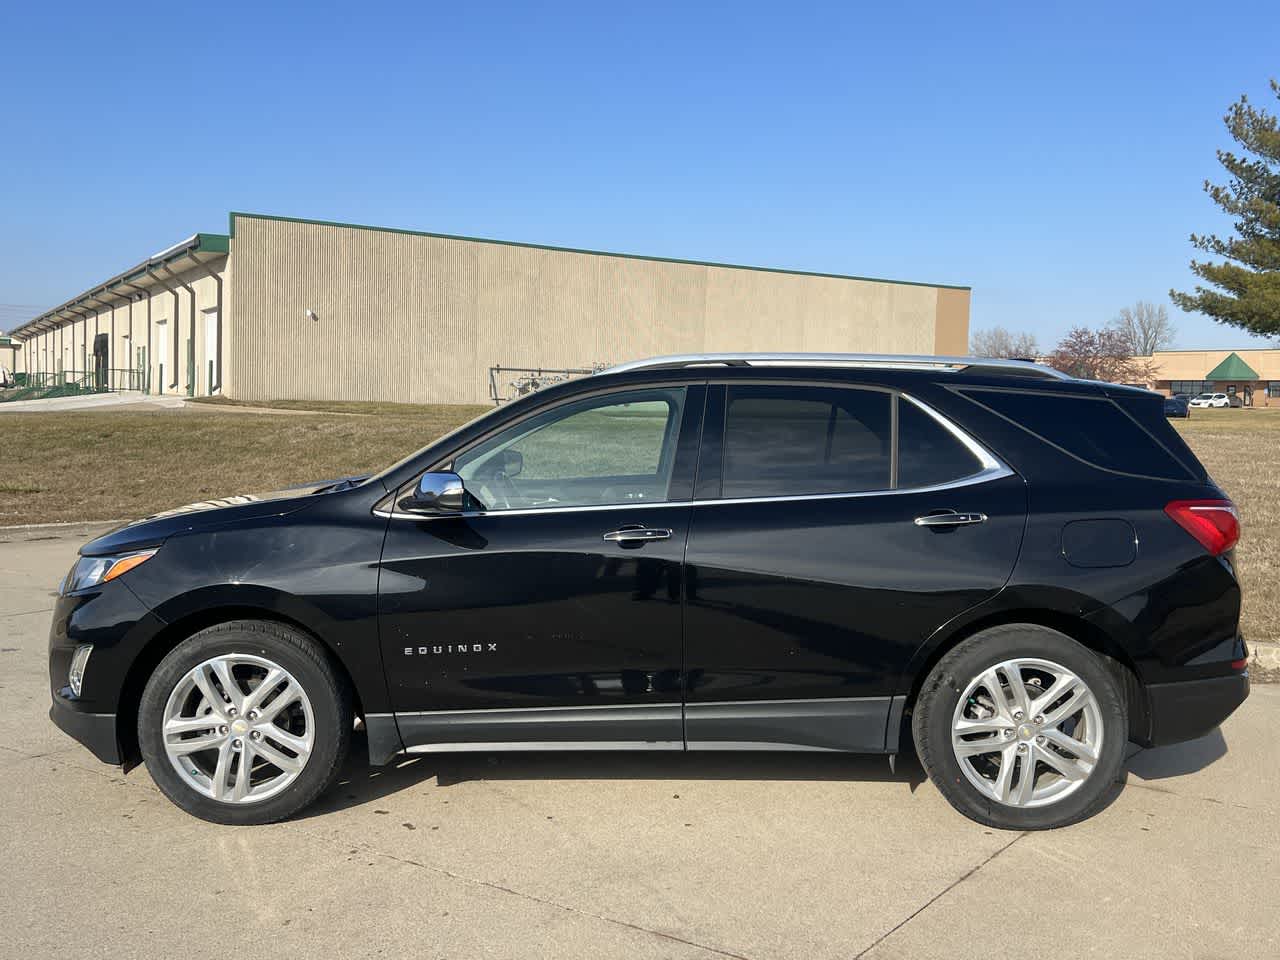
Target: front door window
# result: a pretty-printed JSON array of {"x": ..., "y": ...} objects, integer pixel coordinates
[{"x": 617, "y": 449}]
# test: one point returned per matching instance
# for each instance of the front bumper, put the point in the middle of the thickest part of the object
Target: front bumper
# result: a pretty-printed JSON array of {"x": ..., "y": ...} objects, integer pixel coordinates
[
  {"x": 1191, "y": 708},
  {"x": 119, "y": 627},
  {"x": 97, "y": 731}
]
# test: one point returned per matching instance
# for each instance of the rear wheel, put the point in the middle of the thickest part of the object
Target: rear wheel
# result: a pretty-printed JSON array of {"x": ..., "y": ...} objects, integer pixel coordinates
[
  {"x": 1022, "y": 728},
  {"x": 244, "y": 722}
]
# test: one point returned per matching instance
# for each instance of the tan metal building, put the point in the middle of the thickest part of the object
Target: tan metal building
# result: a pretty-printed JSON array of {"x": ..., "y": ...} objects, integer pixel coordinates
[
  {"x": 283, "y": 308},
  {"x": 156, "y": 327}
]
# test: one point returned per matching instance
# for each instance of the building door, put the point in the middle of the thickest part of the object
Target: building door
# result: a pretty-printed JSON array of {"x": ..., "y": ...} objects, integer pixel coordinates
[
  {"x": 161, "y": 354},
  {"x": 209, "y": 373},
  {"x": 101, "y": 360}
]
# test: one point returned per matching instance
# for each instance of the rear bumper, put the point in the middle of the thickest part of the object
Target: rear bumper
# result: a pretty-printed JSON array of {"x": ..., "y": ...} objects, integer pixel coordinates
[
  {"x": 97, "y": 731},
  {"x": 1191, "y": 708}
]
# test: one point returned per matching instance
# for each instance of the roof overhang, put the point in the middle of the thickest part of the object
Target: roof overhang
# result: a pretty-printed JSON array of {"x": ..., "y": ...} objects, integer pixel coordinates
[
  {"x": 200, "y": 248},
  {"x": 1232, "y": 367}
]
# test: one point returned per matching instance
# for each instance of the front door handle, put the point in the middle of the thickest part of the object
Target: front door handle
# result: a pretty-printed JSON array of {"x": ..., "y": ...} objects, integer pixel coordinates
[
  {"x": 637, "y": 535},
  {"x": 949, "y": 518}
]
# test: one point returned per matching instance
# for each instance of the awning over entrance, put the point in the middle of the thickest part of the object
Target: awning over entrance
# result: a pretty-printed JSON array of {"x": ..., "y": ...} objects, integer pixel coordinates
[{"x": 1232, "y": 368}]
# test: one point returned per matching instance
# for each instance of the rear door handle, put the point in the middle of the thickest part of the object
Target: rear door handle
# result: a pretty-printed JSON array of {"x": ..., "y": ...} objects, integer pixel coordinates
[
  {"x": 637, "y": 535},
  {"x": 949, "y": 518}
]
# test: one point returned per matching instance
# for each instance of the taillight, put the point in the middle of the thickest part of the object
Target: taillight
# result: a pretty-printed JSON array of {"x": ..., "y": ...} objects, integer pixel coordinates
[{"x": 1214, "y": 523}]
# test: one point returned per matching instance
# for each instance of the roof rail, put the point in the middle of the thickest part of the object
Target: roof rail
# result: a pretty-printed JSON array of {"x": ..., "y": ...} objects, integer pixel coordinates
[{"x": 890, "y": 361}]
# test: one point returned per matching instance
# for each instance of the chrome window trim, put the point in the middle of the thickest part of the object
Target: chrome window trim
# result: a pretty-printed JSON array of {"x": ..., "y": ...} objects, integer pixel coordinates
[
  {"x": 982, "y": 476},
  {"x": 992, "y": 468}
]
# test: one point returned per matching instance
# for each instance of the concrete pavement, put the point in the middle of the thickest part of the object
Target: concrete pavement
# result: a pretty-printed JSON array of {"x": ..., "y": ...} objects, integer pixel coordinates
[
  {"x": 589, "y": 855},
  {"x": 94, "y": 401}
]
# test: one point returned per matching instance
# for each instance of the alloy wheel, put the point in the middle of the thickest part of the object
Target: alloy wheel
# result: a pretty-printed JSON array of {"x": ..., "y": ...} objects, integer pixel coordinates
[
  {"x": 238, "y": 728},
  {"x": 1027, "y": 732}
]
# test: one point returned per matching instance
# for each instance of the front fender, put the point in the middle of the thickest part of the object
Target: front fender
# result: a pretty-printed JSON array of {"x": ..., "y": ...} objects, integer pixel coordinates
[{"x": 322, "y": 576}]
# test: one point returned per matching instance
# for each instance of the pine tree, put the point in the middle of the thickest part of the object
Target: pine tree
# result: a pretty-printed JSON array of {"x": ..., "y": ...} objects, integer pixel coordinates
[{"x": 1247, "y": 281}]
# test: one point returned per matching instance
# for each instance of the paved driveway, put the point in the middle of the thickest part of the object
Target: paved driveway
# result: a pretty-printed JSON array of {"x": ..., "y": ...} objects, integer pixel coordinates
[
  {"x": 588, "y": 855},
  {"x": 93, "y": 401}
]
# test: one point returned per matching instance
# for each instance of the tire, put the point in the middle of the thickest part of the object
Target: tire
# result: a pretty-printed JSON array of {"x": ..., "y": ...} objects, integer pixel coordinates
[
  {"x": 1066, "y": 784},
  {"x": 308, "y": 736}
]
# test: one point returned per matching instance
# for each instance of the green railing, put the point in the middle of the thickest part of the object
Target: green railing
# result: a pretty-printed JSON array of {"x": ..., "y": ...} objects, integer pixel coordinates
[{"x": 46, "y": 384}]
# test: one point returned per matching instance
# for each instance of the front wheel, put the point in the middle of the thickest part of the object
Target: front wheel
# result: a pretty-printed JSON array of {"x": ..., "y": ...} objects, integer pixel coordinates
[
  {"x": 244, "y": 723},
  {"x": 1021, "y": 728}
]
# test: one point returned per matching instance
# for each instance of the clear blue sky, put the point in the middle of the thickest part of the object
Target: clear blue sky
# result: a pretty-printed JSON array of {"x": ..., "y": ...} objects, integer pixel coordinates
[{"x": 1049, "y": 155}]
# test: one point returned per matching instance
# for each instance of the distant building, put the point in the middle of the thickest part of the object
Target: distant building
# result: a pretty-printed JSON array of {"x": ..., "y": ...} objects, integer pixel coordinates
[
  {"x": 10, "y": 358},
  {"x": 281, "y": 308},
  {"x": 1252, "y": 375}
]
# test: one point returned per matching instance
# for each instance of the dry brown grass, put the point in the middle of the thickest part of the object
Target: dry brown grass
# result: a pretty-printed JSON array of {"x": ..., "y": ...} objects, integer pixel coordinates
[
  {"x": 122, "y": 464},
  {"x": 127, "y": 463},
  {"x": 1241, "y": 449}
]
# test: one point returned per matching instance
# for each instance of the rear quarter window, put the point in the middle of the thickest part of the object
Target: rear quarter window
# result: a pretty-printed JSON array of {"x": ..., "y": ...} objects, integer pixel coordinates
[
  {"x": 1092, "y": 429},
  {"x": 927, "y": 453}
]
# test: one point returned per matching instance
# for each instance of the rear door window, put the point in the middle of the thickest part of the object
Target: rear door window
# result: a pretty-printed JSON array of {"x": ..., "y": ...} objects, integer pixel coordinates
[
  {"x": 807, "y": 440},
  {"x": 792, "y": 441}
]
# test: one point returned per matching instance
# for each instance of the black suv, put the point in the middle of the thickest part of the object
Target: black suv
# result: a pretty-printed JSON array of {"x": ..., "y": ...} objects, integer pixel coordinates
[{"x": 1015, "y": 570}]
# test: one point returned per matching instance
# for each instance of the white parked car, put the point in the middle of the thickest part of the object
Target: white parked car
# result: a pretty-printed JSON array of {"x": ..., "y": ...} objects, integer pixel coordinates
[{"x": 1211, "y": 400}]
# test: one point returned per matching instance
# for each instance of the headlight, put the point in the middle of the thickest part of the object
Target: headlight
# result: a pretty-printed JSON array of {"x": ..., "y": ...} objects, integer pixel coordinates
[
  {"x": 92, "y": 571},
  {"x": 79, "y": 660}
]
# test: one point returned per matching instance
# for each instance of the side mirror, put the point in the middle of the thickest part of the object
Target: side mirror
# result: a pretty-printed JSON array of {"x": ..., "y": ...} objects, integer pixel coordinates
[{"x": 437, "y": 494}]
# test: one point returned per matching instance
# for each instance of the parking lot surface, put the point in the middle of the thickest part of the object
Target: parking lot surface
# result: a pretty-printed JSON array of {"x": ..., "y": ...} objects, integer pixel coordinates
[{"x": 596, "y": 855}]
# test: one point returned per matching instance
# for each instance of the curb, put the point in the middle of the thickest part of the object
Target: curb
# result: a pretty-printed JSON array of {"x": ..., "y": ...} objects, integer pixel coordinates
[{"x": 61, "y": 523}]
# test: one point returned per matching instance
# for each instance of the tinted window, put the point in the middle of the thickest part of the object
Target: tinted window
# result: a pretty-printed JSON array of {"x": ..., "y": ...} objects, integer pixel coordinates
[
  {"x": 1095, "y": 430},
  {"x": 928, "y": 453},
  {"x": 615, "y": 449},
  {"x": 787, "y": 441}
]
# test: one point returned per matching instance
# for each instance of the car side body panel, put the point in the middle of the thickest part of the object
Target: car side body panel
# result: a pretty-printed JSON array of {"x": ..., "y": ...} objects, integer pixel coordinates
[{"x": 828, "y": 598}]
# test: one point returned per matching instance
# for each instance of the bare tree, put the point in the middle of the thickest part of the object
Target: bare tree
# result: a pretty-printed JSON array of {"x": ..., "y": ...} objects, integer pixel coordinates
[
  {"x": 1145, "y": 327},
  {"x": 999, "y": 342},
  {"x": 1104, "y": 354}
]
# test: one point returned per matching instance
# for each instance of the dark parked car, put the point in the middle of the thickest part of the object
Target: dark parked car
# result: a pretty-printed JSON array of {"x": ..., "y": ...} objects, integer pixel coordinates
[
  {"x": 1012, "y": 570},
  {"x": 1177, "y": 406}
]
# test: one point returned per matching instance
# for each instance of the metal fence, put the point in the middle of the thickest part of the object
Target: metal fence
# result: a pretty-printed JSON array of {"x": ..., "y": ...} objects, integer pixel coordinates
[
  {"x": 43, "y": 384},
  {"x": 511, "y": 383}
]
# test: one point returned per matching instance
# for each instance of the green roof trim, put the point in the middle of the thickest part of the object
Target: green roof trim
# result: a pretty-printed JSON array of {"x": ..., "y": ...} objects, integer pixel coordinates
[
  {"x": 213, "y": 243},
  {"x": 594, "y": 253},
  {"x": 1232, "y": 368}
]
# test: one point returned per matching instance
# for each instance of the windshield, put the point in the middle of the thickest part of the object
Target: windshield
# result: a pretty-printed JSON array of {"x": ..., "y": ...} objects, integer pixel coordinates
[{"x": 1205, "y": 396}]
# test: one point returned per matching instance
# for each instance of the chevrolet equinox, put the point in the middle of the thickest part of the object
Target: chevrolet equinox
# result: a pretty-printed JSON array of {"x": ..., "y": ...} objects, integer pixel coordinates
[{"x": 1011, "y": 570}]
